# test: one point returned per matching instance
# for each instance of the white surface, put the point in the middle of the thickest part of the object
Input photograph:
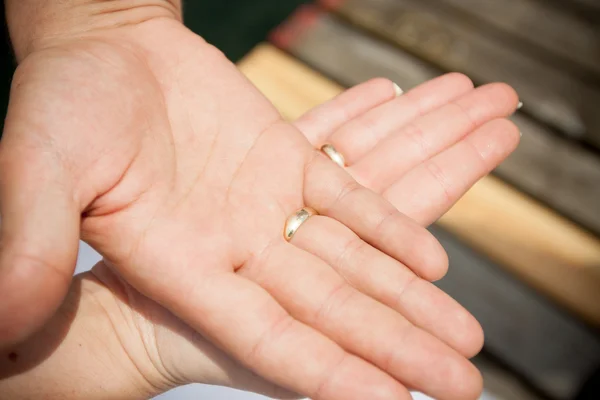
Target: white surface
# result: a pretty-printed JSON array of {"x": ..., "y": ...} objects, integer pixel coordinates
[{"x": 88, "y": 257}]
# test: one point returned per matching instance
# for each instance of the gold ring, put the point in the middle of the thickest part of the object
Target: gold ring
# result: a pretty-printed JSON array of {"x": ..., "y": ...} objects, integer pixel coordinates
[
  {"x": 294, "y": 221},
  {"x": 334, "y": 155}
]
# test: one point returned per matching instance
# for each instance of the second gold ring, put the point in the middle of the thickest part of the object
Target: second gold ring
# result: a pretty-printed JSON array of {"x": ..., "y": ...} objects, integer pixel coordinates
[{"x": 334, "y": 155}]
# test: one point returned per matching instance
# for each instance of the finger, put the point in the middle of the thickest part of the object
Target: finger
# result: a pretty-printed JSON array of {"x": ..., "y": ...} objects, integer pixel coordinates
[
  {"x": 38, "y": 242},
  {"x": 429, "y": 134},
  {"x": 391, "y": 283},
  {"x": 361, "y": 134},
  {"x": 429, "y": 190},
  {"x": 318, "y": 123},
  {"x": 243, "y": 319},
  {"x": 315, "y": 294},
  {"x": 332, "y": 192}
]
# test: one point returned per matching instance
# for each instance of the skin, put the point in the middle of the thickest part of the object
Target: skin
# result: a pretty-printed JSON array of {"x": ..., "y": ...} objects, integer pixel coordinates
[
  {"x": 151, "y": 351},
  {"x": 180, "y": 173}
]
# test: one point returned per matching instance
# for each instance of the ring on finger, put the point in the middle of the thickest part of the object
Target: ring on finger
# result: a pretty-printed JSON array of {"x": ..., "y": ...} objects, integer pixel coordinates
[
  {"x": 294, "y": 221},
  {"x": 334, "y": 155}
]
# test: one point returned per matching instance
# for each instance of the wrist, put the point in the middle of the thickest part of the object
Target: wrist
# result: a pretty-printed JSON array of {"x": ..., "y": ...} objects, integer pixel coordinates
[
  {"x": 90, "y": 349},
  {"x": 35, "y": 24}
]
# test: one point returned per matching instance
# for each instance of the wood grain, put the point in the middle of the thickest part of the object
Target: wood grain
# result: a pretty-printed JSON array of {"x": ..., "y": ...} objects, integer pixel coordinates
[
  {"x": 551, "y": 95},
  {"x": 545, "y": 250},
  {"x": 531, "y": 25},
  {"x": 523, "y": 329}
]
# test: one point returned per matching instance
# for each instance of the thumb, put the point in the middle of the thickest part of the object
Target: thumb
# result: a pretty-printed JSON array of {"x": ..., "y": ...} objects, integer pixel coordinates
[{"x": 38, "y": 238}]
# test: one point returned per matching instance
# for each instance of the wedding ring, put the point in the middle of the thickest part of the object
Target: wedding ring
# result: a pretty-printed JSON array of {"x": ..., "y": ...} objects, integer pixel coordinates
[
  {"x": 293, "y": 223},
  {"x": 334, "y": 155}
]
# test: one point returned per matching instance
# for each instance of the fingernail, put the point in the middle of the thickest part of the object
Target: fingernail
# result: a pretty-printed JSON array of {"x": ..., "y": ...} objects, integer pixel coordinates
[
  {"x": 520, "y": 105},
  {"x": 398, "y": 90}
]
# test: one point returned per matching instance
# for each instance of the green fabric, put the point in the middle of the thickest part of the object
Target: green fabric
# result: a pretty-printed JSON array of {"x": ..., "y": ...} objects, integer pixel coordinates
[
  {"x": 234, "y": 26},
  {"x": 6, "y": 68}
]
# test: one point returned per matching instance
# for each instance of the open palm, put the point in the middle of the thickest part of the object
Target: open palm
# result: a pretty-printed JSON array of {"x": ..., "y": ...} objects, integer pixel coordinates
[
  {"x": 178, "y": 355},
  {"x": 184, "y": 174}
]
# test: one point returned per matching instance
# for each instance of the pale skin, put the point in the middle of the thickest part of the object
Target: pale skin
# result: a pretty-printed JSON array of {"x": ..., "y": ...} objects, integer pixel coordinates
[
  {"x": 122, "y": 345},
  {"x": 177, "y": 189}
]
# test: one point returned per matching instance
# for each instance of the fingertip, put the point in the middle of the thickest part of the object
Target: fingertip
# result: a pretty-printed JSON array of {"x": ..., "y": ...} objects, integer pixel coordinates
[
  {"x": 459, "y": 80},
  {"x": 495, "y": 140},
  {"x": 476, "y": 341},
  {"x": 469, "y": 337},
  {"x": 435, "y": 259},
  {"x": 504, "y": 94},
  {"x": 384, "y": 88},
  {"x": 465, "y": 382},
  {"x": 512, "y": 133},
  {"x": 423, "y": 253},
  {"x": 472, "y": 387}
]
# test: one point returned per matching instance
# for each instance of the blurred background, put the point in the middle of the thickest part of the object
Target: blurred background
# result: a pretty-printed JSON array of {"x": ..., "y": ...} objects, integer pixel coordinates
[{"x": 523, "y": 244}]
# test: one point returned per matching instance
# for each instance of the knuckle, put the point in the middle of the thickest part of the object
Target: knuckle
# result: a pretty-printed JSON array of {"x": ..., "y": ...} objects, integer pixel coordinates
[
  {"x": 416, "y": 134},
  {"x": 390, "y": 359},
  {"x": 311, "y": 164},
  {"x": 470, "y": 121},
  {"x": 352, "y": 250},
  {"x": 388, "y": 222},
  {"x": 406, "y": 287},
  {"x": 276, "y": 328},
  {"x": 346, "y": 189},
  {"x": 336, "y": 299},
  {"x": 479, "y": 157},
  {"x": 365, "y": 123},
  {"x": 330, "y": 377},
  {"x": 438, "y": 175}
]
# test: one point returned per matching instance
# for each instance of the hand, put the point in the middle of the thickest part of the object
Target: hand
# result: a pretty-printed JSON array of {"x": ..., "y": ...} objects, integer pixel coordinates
[
  {"x": 167, "y": 353},
  {"x": 181, "y": 174},
  {"x": 478, "y": 142}
]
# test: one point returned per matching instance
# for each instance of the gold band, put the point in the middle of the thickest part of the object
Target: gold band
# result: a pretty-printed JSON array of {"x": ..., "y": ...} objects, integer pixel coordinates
[
  {"x": 294, "y": 221},
  {"x": 334, "y": 155}
]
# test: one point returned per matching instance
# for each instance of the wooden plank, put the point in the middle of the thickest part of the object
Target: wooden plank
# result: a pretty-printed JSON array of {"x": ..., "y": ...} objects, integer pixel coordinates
[
  {"x": 547, "y": 251},
  {"x": 538, "y": 246},
  {"x": 547, "y": 347},
  {"x": 532, "y": 25},
  {"x": 585, "y": 9},
  {"x": 558, "y": 172},
  {"x": 549, "y": 94}
]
